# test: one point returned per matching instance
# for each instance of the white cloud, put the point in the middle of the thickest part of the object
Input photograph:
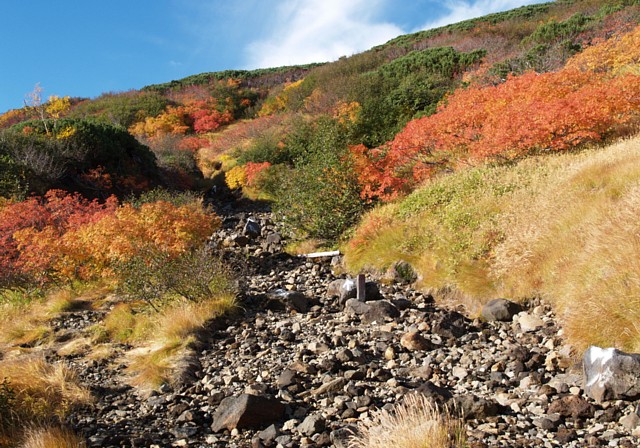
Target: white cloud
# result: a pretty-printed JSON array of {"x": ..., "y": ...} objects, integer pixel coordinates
[
  {"x": 307, "y": 31},
  {"x": 460, "y": 10}
]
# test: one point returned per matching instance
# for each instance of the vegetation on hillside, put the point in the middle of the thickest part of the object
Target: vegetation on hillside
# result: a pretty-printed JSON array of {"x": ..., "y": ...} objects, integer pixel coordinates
[{"x": 482, "y": 153}]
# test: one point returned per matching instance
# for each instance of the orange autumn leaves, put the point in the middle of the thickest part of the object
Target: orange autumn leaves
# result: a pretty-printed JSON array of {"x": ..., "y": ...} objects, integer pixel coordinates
[
  {"x": 198, "y": 115},
  {"x": 533, "y": 112},
  {"x": 64, "y": 236}
]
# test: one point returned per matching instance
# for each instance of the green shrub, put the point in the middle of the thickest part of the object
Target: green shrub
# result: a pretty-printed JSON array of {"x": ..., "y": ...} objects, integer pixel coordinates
[
  {"x": 156, "y": 278},
  {"x": 13, "y": 183},
  {"x": 177, "y": 198},
  {"x": 319, "y": 196},
  {"x": 74, "y": 149},
  {"x": 123, "y": 109}
]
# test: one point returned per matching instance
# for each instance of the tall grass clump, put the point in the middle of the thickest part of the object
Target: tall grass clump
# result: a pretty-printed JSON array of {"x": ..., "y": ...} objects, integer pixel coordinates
[
  {"x": 36, "y": 393},
  {"x": 416, "y": 423},
  {"x": 51, "y": 437},
  {"x": 562, "y": 227}
]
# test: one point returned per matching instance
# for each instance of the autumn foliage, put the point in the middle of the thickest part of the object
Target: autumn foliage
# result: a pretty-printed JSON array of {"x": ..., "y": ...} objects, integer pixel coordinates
[
  {"x": 529, "y": 113},
  {"x": 64, "y": 236}
]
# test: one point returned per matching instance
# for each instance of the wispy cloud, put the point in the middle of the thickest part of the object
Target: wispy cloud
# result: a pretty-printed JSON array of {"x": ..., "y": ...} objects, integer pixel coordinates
[
  {"x": 307, "y": 31},
  {"x": 459, "y": 10}
]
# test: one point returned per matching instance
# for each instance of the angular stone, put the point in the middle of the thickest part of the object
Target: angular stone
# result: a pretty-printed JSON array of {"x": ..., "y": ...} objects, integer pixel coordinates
[
  {"x": 500, "y": 310},
  {"x": 380, "y": 311},
  {"x": 475, "y": 407},
  {"x": 311, "y": 425},
  {"x": 529, "y": 322},
  {"x": 252, "y": 228},
  {"x": 414, "y": 341},
  {"x": 572, "y": 406},
  {"x": 610, "y": 374},
  {"x": 247, "y": 411}
]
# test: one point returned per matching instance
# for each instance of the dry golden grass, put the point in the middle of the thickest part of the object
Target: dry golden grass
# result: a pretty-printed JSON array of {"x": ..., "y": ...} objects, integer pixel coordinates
[
  {"x": 124, "y": 324},
  {"x": 174, "y": 331},
  {"x": 62, "y": 301},
  {"x": 563, "y": 227},
  {"x": 36, "y": 392},
  {"x": 51, "y": 437},
  {"x": 415, "y": 423}
]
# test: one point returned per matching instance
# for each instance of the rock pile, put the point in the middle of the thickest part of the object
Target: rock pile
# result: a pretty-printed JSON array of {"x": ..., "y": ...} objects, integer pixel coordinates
[{"x": 307, "y": 361}]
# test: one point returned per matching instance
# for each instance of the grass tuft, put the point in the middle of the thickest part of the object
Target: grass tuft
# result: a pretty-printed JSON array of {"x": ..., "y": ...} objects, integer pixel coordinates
[
  {"x": 51, "y": 437},
  {"x": 36, "y": 392},
  {"x": 416, "y": 423}
]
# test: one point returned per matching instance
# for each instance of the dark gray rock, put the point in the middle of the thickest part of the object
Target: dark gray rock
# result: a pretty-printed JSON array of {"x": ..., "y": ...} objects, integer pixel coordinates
[
  {"x": 252, "y": 228},
  {"x": 610, "y": 374},
  {"x": 247, "y": 411},
  {"x": 475, "y": 407},
  {"x": 311, "y": 425},
  {"x": 380, "y": 311},
  {"x": 501, "y": 310},
  {"x": 354, "y": 307},
  {"x": 268, "y": 435}
]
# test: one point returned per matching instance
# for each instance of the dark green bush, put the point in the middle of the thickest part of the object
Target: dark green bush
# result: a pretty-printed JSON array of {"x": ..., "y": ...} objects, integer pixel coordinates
[
  {"x": 73, "y": 149},
  {"x": 122, "y": 109},
  {"x": 319, "y": 196},
  {"x": 195, "y": 276}
]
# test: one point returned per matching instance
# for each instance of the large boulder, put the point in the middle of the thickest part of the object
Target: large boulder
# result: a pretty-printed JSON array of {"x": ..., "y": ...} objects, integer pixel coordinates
[
  {"x": 501, "y": 310},
  {"x": 610, "y": 374},
  {"x": 247, "y": 411},
  {"x": 345, "y": 289},
  {"x": 281, "y": 299}
]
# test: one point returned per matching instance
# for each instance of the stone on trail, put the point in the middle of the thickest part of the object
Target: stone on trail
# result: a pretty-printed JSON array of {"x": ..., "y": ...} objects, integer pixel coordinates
[
  {"x": 252, "y": 228},
  {"x": 610, "y": 374},
  {"x": 414, "y": 341},
  {"x": 501, "y": 310},
  {"x": 345, "y": 289},
  {"x": 247, "y": 411}
]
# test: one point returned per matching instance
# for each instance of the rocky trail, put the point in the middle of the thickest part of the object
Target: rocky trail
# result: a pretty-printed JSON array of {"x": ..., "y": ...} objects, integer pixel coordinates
[{"x": 306, "y": 361}]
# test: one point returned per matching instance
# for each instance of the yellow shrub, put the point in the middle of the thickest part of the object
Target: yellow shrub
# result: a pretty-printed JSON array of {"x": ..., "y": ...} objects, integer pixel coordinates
[{"x": 236, "y": 177}]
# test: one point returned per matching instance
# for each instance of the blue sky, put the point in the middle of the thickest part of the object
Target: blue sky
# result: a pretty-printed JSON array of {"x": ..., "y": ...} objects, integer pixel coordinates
[{"x": 83, "y": 48}]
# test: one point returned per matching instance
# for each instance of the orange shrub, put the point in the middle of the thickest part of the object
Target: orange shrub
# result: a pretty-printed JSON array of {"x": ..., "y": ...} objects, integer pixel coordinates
[
  {"x": 253, "y": 171},
  {"x": 64, "y": 236},
  {"x": 532, "y": 112}
]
